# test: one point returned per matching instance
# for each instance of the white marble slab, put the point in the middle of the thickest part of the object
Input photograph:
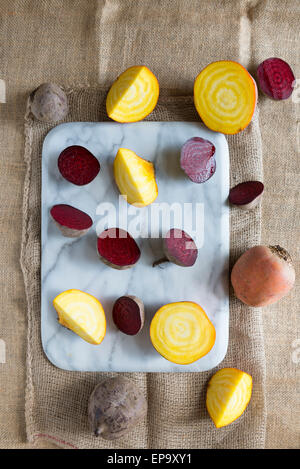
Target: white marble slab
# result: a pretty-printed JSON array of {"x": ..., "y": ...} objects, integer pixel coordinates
[{"x": 73, "y": 263}]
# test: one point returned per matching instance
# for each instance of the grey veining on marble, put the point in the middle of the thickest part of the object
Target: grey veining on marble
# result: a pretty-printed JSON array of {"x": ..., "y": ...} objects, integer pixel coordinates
[{"x": 73, "y": 263}]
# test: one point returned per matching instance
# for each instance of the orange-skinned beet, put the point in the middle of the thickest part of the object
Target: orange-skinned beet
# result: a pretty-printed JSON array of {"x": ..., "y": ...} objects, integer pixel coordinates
[{"x": 263, "y": 275}]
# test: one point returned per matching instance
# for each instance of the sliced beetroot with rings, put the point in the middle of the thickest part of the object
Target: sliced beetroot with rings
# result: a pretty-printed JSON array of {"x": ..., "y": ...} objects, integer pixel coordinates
[
  {"x": 78, "y": 165},
  {"x": 197, "y": 159},
  {"x": 71, "y": 221},
  {"x": 275, "y": 78},
  {"x": 246, "y": 195},
  {"x": 128, "y": 314},
  {"x": 118, "y": 249},
  {"x": 179, "y": 248}
]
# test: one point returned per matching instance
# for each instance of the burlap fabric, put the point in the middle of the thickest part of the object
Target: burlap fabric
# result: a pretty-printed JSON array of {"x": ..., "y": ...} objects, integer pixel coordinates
[
  {"x": 56, "y": 401},
  {"x": 91, "y": 42}
]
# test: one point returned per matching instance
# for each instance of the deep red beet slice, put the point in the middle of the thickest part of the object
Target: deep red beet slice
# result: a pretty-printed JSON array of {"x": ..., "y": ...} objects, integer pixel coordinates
[
  {"x": 179, "y": 248},
  {"x": 197, "y": 159},
  {"x": 275, "y": 78},
  {"x": 246, "y": 195},
  {"x": 128, "y": 314},
  {"x": 118, "y": 249},
  {"x": 71, "y": 221},
  {"x": 78, "y": 165}
]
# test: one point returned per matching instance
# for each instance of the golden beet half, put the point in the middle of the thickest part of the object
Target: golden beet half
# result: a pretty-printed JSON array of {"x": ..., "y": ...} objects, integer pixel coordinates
[
  {"x": 225, "y": 96},
  {"x": 182, "y": 333},
  {"x": 227, "y": 396},
  {"x": 81, "y": 313},
  {"x": 133, "y": 95},
  {"x": 135, "y": 178}
]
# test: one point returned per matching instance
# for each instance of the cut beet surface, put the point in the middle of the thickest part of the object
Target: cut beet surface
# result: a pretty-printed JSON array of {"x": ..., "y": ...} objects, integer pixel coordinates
[
  {"x": 275, "y": 78},
  {"x": 179, "y": 248},
  {"x": 197, "y": 159},
  {"x": 118, "y": 249},
  {"x": 246, "y": 195},
  {"x": 70, "y": 220},
  {"x": 78, "y": 165},
  {"x": 128, "y": 314}
]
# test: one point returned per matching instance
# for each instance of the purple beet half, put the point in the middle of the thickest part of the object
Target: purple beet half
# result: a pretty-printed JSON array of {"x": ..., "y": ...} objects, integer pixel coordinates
[
  {"x": 128, "y": 314},
  {"x": 71, "y": 221},
  {"x": 246, "y": 195},
  {"x": 118, "y": 249},
  {"x": 275, "y": 78},
  {"x": 179, "y": 248},
  {"x": 78, "y": 165},
  {"x": 197, "y": 159}
]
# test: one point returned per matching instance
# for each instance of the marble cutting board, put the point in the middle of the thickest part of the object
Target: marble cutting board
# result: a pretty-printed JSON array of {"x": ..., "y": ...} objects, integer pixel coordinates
[{"x": 73, "y": 263}]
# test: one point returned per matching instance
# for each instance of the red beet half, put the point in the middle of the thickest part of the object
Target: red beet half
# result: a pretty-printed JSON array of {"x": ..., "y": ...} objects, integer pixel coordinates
[
  {"x": 71, "y": 221},
  {"x": 246, "y": 195},
  {"x": 78, "y": 165},
  {"x": 118, "y": 249},
  {"x": 275, "y": 78},
  {"x": 179, "y": 248},
  {"x": 128, "y": 314},
  {"x": 197, "y": 159}
]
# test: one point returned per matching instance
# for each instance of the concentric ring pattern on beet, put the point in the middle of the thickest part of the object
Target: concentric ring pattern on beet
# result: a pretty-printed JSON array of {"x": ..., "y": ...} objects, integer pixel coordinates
[
  {"x": 275, "y": 78},
  {"x": 197, "y": 159}
]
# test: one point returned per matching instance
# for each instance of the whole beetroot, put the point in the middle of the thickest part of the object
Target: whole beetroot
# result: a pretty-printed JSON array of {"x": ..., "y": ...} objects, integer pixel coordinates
[
  {"x": 263, "y": 275},
  {"x": 115, "y": 406},
  {"x": 49, "y": 103}
]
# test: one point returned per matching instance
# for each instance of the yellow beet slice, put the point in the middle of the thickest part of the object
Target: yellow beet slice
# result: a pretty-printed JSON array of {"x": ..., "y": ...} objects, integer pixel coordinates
[
  {"x": 228, "y": 394},
  {"x": 181, "y": 332},
  {"x": 225, "y": 96},
  {"x": 135, "y": 178},
  {"x": 82, "y": 313},
  {"x": 133, "y": 95}
]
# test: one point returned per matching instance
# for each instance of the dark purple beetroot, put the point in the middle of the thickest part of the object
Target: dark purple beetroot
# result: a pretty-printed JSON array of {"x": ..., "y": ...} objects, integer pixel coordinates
[
  {"x": 78, "y": 165},
  {"x": 128, "y": 314},
  {"x": 275, "y": 78},
  {"x": 118, "y": 249},
  {"x": 179, "y": 248},
  {"x": 71, "y": 221},
  {"x": 246, "y": 195},
  {"x": 197, "y": 159}
]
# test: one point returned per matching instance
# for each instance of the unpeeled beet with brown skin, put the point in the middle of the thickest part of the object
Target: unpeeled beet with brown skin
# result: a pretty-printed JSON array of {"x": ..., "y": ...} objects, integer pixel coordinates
[
  {"x": 263, "y": 275},
  {"x": 128, "y": 314},
  {"x": 71, "y": 221},
  {"x": 115, "y": 407}
]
